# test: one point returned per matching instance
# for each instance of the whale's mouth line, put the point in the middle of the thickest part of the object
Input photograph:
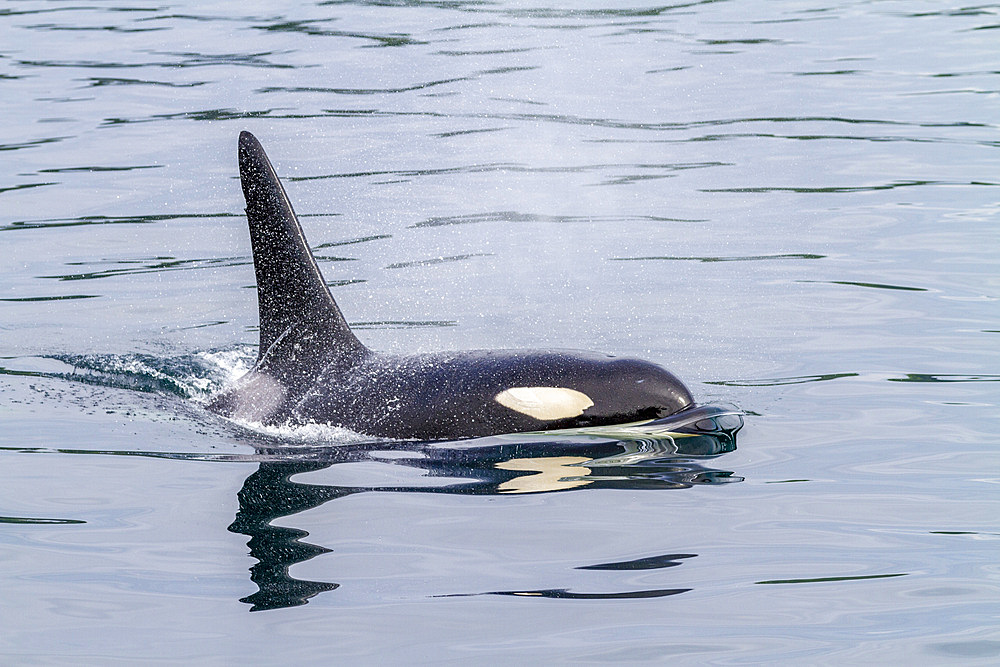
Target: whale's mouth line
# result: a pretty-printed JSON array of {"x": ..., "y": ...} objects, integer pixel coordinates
[{"x": 717, "y": 420}]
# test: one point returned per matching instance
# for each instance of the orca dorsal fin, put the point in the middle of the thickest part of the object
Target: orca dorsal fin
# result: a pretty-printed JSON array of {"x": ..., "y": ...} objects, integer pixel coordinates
[{"x": 297, "y": 310}]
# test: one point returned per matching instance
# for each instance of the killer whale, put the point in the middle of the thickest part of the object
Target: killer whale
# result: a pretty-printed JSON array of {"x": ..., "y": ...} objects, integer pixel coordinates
[{"x": 311, "y": 368}]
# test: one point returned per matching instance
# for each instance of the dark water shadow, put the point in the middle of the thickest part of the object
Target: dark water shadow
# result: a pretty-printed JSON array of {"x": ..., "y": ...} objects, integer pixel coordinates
[
  {"x": 666, "y": 454},
  {"x": 565, "y": 594}
]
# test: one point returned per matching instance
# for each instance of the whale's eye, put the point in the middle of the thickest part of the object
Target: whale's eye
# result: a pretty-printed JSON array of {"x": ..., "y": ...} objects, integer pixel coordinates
[{"x": 545, "y": 403}]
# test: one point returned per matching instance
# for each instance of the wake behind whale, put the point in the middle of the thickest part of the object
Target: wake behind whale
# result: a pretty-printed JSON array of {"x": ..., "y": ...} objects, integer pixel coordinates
[{"x": 311, "y": 368}]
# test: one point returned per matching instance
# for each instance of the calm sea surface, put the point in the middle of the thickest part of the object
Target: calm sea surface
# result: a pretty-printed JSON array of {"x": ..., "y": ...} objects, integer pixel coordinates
[{"x": 794, "y": 205}]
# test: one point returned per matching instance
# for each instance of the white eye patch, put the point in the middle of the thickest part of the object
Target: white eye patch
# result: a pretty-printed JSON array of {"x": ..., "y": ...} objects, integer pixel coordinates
[{"x": 545, "y": 403}]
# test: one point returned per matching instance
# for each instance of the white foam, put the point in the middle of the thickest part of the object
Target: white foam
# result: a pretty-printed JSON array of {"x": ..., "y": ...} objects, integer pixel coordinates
[
  {"x": 313, "y": 433},
  {"x": 233, "y": 364}
]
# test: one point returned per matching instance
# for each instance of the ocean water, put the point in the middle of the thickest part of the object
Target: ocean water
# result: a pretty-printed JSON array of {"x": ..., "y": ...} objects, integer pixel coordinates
[{"x": 793, "y": 205}]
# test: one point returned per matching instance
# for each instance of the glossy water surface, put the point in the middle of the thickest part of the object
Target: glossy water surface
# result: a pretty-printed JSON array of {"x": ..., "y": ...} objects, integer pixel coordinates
[{"x": 792, "y": 205}]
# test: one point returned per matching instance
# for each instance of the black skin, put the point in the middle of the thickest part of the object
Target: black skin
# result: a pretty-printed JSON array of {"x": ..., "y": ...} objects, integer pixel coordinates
[
  {"x": 452, "y": 395},
  {"x": 312, "y": 368}
]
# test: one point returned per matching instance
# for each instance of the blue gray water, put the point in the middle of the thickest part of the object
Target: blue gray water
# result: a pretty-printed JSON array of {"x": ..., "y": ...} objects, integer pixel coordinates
[{"x": 792, "y": 205}]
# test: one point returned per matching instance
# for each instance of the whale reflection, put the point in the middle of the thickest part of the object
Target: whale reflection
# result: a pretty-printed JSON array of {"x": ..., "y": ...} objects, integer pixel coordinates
[{"x": 665, "y": 454}]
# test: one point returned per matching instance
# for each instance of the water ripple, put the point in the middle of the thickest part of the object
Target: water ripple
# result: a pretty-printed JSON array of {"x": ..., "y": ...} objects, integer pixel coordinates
[
  {"x": 566, "y": 594},
  {"x": 25, "y": 12},
  {"x": 98, "y": 81},
  {"x": 309, "y": 27},
  {"x": 458, "y": 133},
  {"x": 27, "y": 186},
  {"x": 648, "y": 563},
  {"x": 492, "y": 52},
  {"x": 31, "y": 144},
  {"x": 517, "y": 217},
  {"x": 151, "y": 265},
  {"x": 182, "y": 59},
  {"x": 210, "y": 115},
  {"x": 927, "y": 377},
  {"x": 776, "y": 382},
  {"x": 436, "y": 260},
  {"x": 822, "y": 580},
  {"x": 515, "y": 168},
  {"x": 93, "y": 28},
  {"x": 70, "y": 170},
  {"x": 47, "y": 223},
  {"x": 62, "y": 297},
  {"x": 852, "y": 188},
  {"x": 736, "y": 258},
  {"x": 362, "y": 239},
  {"x": 404, "y": 324},
  {"x": 358, "y": 91},
  {"x": 852, "y": 283},
  {"x": 38, "y": 522}
]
